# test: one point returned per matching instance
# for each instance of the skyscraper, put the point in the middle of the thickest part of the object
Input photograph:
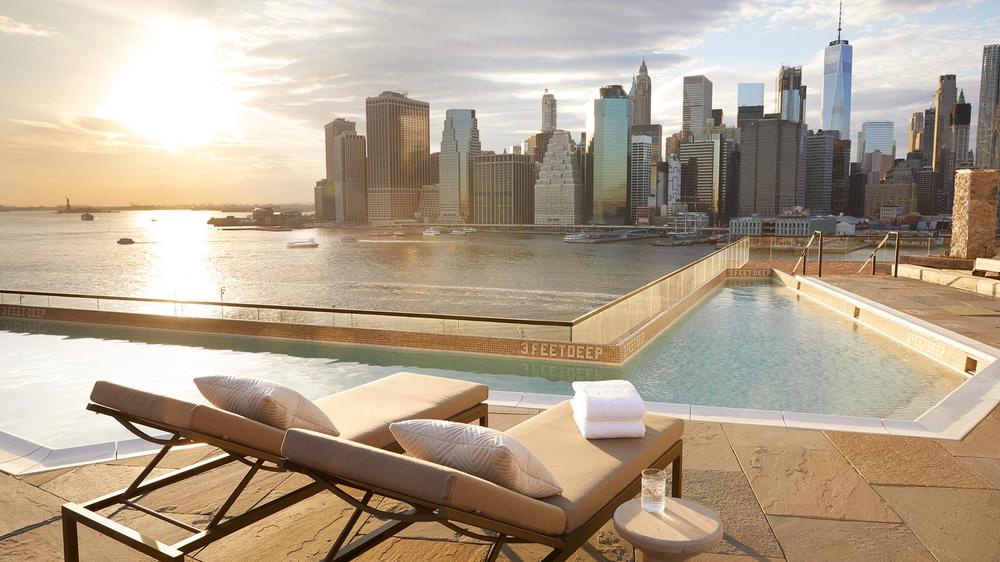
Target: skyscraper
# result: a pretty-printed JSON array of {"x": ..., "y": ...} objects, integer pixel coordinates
[
  {"x": 701, "y": 174},
  {"x": 332, "y": 130},
  {"x": 840, "y": 182},
  {"x": 790, "y": 94},
  {"x": 961, "y": 117},
  {"x": 459, "y": 143},
  {"x": 608, "y": 131},
  {"x": 772, "y": 173},
  {"x": 876, "y": 135},
  {"x": 916, "y": 131},
  {"x": 548, "y": 112},
  {"x": 944, "y": 101},
  {"x": 559, "y": 197},
  {"x": 988, "y": 127},
  {"x": 503, "y": 189},
  {"x": 927, "y": 137},
  {"x": 350, "y": 171},
  {"x": 641, "y": 92},
  {"x": 639, "y": 188},
  {"x": 749, "y": 103},
  {"x": 398, "y": 155},
  {"x": 819, "y": 171},
  {"x": 696, "y": 106},
  {"x": 837, "y": 61},
  {"x": 655, "y": 132}
]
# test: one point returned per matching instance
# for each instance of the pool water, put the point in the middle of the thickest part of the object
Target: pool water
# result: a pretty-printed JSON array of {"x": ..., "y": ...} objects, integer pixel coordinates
[{"x": 749, "y": 344}]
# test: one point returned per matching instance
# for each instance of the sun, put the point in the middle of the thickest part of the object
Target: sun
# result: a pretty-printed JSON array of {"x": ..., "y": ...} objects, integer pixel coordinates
[{"x": 173, "y": 90}]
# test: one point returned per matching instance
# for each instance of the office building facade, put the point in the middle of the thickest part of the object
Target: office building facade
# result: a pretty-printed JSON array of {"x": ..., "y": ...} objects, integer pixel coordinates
[
  {"x": 749, "y": 103},
  {"x": 772, "y": 171},
  {"x": 608, "y": 131},
  {"x": 961, "y": 119},
  {"x": 640, "y": 185},
  {"x": 503, "y": 189},
  {"x": 696, "y": 104},
  {"x": 819, "y": 171},
  {"x": 876, "y": 136},
  {"x": 549, "y": 123},
  {"x": 350, "y": 179},
  {"x": 559, "y": 197},
  {"x": 838, "y": 60},
  {"x": 641, "y": 94},
  {"x": 459, "y": 144},
  {"x": 398, "y": 155},
  {"x": 655, "y": 132},
  {"x": 790, "y": 94},
  {"x": 988, "y": 126}
]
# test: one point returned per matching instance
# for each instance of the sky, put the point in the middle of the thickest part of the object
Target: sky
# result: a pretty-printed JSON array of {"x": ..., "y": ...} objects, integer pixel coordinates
[{"x": 223, "y": 101}]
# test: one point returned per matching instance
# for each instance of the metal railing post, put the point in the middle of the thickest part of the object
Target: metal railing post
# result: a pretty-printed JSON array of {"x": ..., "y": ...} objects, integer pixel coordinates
[
  {"x": 895, "y": 259},
  {"x": 819, "y": 270}
]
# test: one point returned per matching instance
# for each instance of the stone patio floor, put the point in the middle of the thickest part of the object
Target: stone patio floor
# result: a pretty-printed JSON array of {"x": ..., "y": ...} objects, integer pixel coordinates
[{"x": 783, "y": 494}]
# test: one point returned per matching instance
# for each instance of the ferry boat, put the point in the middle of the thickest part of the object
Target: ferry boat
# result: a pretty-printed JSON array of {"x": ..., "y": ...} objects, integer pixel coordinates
[
  {"x": 431, "y": 231},
  {"x": 348, "y": 239},
  {"x": 399, "y": 233},
  {"x": 576, "y": 236},
  {"x": 468, "y": 229},
  {"x": 460, "y": 232},
  {"x": 86, "y": 217},
  {"x": 125, "y": 241},
  {"x": 310, "y": 243}
]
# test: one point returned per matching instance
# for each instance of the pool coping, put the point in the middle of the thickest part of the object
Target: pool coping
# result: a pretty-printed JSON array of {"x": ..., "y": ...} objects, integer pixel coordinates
[{"x": 950, "y": 419}]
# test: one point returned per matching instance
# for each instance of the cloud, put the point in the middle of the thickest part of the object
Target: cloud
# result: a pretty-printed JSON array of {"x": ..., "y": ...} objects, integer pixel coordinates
[{"x": 11, "y": 25}]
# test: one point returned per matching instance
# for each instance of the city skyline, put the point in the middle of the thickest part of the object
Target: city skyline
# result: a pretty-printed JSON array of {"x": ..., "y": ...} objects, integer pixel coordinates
[{"x": 82, "y": 131}]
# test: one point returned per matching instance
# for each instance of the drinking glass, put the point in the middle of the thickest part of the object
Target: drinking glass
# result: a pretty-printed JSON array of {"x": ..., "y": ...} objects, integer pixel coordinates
[{"x": 654, "y": 489}]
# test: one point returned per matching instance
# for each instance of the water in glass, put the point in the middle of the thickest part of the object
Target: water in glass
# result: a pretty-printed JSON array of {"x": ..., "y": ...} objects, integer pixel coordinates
[{"x": 654, "y": 489}]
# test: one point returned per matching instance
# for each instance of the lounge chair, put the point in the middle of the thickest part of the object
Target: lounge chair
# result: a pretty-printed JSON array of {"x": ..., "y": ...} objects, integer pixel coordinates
[
  {"x": 362, "y": 415},
  {"x": 597, "y": 476}
]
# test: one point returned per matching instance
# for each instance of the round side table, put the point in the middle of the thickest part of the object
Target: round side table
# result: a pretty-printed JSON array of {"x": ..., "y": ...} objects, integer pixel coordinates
[{"x": 684, "y": 529}]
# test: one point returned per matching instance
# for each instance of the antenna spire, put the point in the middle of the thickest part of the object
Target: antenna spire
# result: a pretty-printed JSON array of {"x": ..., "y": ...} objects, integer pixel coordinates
[{"x": 840, "y": 17}]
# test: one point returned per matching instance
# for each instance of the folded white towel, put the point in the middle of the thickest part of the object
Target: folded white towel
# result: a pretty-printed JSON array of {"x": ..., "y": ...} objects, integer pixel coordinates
[
  {"x": 609, "y": 429},
  {"x": 607, "y": 401}
]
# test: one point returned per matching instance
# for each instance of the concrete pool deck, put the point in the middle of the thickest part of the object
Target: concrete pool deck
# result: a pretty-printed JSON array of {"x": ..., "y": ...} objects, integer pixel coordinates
[{"x": 784, "y": 494}]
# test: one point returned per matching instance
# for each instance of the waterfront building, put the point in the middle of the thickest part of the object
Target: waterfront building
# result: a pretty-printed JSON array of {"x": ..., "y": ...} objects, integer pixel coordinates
[
  {"x": 323, "y": 200},
  {"x": 559, "y": 186},
  {"x": 608, "y": 130},
  {"x": 548, "y": 112},
  {"x": 896, "y": 190},
  {"x": 707, "y": 176},
  {"x": 641, "y": 94},
  {"x": 654, "y": 132},
  {"x": 640, "y": 186},
  {"x": 771, "y": 171},
  {"x": 429, "y": 205},
  {"x": 749, "y": 103},
  {"x": 696, "y": 105},
  {"x": 350, "y": 179},
  {"x": 398, "y": 155},
  {"x": 916, "y": 131},
  {"x": 988, "y": 126},
  {"x": 798, "y": 225},
  {"x": 332, "y": 130},
  {"x": 961, "y": 118},
  {"x": 790, "y": 94},
  {"x": 819, "y": 171},
  {"x": 838, "y": 58},
  {"x": 503, "y": 189},
  {"x": 459, "y": 144}
]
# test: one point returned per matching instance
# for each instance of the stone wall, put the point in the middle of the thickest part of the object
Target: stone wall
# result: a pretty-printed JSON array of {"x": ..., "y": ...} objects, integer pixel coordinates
[{"x": 974, "y": 216}]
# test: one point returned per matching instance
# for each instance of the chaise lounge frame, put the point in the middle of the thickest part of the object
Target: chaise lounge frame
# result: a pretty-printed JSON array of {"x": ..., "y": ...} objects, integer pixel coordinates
[
  {"x": 217, "y": 528},
  {"x": 563, "y": 546}
]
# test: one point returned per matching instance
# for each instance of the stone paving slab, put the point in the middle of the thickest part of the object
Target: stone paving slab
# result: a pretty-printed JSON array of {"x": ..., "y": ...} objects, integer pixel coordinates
[
  {"x": 907, "y": 461},
  {"x": 983, "y": 441},
  {"x": 953, "y": 524},
  {"x": 988, "y": 469},
  {"x": 742, "y": 435},
  {"x": 825, "y": 540},
  {"x": 810, "y": 483},
  {"x": 707, "y": 448}
]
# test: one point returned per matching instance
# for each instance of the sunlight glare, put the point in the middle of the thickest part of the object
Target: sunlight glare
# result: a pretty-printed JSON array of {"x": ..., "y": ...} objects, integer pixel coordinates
[{"x": 173, "y": 90}]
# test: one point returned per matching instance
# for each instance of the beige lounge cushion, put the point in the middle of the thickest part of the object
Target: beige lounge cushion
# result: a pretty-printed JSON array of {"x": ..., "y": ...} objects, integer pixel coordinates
[
  {"x": 363, "y": 413},
  {"x": 421, "y": 480},
  {"x": 592, "y": 472},
  {"x": 480, "y": 451},
  {"x": 237, "y": 429},
  {"x": 265, "y": 401},
  {"x": 142, "y": 404}
]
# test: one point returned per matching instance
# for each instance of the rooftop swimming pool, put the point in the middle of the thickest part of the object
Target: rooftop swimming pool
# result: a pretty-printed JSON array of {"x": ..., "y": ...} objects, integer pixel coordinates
[{"x": 749, "y": 344}]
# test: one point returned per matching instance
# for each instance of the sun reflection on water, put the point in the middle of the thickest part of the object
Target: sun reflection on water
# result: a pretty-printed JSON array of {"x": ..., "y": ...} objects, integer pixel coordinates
[{"x": 177, "y": 260}]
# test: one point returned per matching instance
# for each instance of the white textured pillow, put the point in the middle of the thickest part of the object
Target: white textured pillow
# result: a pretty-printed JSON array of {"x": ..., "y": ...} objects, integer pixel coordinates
[
  {"x": 265, "y": 401},
  {"x": 480, "y": 451}
]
